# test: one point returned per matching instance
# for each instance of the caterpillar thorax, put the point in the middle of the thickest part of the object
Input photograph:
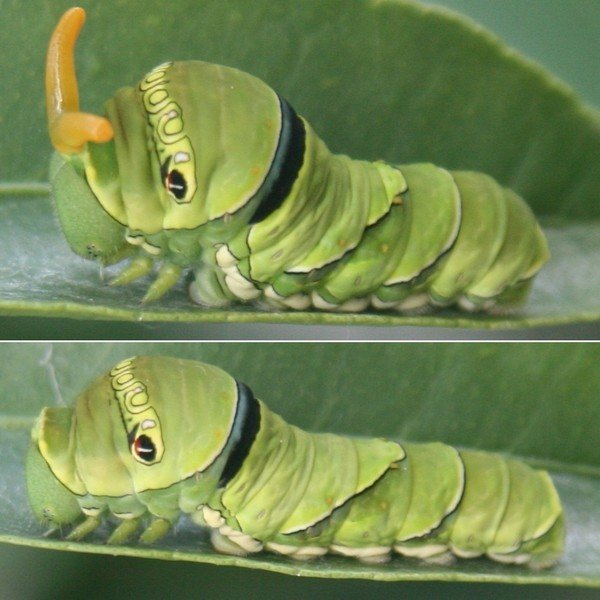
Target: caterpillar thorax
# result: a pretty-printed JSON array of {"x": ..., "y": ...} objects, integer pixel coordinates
[
  {"x": 159, "y": 436},
  {"x": 208, "y": 168}
]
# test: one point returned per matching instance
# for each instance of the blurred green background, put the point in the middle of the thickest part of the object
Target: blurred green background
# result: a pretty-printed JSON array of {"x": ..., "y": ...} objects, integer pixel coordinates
[{"x": 560, "y": 34}]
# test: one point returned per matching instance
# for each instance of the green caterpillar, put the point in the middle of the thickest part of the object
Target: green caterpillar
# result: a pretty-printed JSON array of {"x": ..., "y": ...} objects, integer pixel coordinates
[
  {"x": 159, "y": 436},
  {"x": 205, "y": 167}
]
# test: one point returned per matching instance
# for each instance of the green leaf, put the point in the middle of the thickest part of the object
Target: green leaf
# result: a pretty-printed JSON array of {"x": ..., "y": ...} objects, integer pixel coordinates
[
  {"x": 537, "y": 401},
  {"x": 377, "y": 79}
]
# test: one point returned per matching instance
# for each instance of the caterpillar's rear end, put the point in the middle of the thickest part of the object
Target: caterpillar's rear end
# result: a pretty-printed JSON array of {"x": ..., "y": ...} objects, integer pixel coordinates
[
  {"x": 479, "y": 505},
  {"x": 468, "y": 241}
]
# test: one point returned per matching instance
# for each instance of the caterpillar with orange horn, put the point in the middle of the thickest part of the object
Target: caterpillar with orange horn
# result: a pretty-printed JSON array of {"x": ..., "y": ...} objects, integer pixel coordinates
[
  {"x": 157, "y": 436},
  {"x": 204, "y": 167}
]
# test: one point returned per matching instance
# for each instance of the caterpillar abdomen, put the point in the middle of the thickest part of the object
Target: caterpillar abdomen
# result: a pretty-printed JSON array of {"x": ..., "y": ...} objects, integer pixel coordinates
[
  {"x": 160, "y": 436},
  {"x": 204, "y": 167},
  {"x": 437, "y": 238}
]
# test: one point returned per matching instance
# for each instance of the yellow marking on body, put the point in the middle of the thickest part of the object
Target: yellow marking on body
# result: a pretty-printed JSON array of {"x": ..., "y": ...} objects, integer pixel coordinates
[
  {"x": 157, "y": 96},
  {"x": 165, "y": 117},
  {"x": 136, "y": 396},
  {"x": 133, "y": 401},
  {"x": 122, "y": 379}
]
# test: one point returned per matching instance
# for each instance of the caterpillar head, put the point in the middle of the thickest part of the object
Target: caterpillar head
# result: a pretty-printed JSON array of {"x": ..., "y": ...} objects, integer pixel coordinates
[
  {"x": 89, "y": 230},
  {"x": 50, "y": 500}
]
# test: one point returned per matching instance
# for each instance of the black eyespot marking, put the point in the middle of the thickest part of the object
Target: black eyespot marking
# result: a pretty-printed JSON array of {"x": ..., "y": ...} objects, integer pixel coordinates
[
  {"x": 176, "y": 184},
  {"x": 144, "y": 448},
  {"x": 173, "y": 180}
]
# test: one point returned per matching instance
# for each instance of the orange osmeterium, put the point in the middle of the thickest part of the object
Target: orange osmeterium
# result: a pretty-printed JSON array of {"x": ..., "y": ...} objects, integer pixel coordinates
[{"x": 69, "y": 129}]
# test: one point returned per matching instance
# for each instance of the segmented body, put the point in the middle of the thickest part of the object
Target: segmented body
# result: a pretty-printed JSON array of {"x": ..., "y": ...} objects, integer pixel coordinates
[
  {"x": 160, "y": 436},
  {"x": 210, "y": 169}
]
